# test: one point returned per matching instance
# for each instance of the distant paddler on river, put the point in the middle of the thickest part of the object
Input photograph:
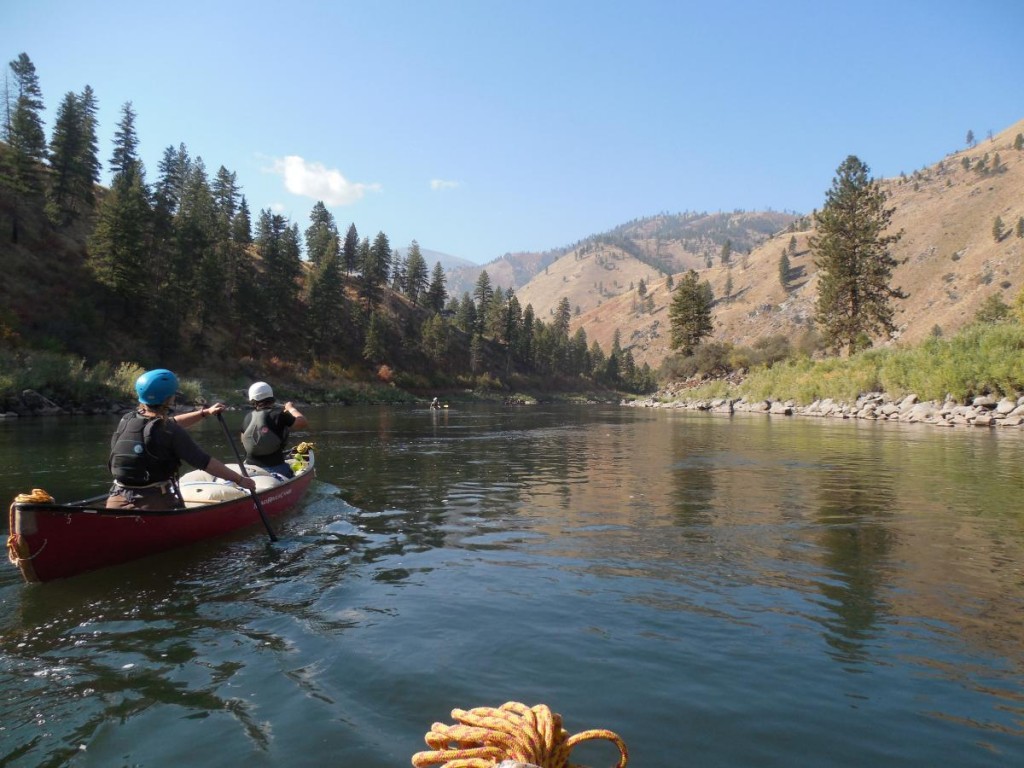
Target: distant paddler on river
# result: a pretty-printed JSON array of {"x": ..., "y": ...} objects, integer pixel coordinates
[{"x": 435, "y": 404}]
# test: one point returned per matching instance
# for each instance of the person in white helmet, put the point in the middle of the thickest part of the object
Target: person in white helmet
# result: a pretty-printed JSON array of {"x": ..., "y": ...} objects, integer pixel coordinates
[{"x": 265, "y": 429}]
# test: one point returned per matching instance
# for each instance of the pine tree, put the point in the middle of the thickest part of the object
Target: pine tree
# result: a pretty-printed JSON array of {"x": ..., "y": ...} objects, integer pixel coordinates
[
  {"x": 726, "y": 253},
  {"x": 784, "y": 270},
  {"x": 483, "y": 290},
  {"x": 437, "y": 294},
  {"x": 21, "y": 171},
  {"x": 689, "y": 314},
  {"x": 1020, "y": 226},
  {"x": 415, "y": 273},
  {"x": 998, "y": 229},
  {"x": 241, "y": 225},
  {"x": 350, "y": 250},
  {"x": 90, "y": 159},
  {"x": 466, "y": 316},
  {"x": 374, "y": 347},
  {"x": 278, "y": 246},
  {"x": 126, "y": 144},
  {"x": 326, "y": 314},
  {"x": 69, "y": 182},
  {"x": 321, "y": 232},
  {"x": 852, "y": 255},
  {"x": 120, "y": 245},
  {"x": 226, "y": 197}
]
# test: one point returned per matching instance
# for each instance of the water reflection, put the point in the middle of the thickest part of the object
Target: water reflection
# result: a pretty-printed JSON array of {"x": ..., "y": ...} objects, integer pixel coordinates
[{"x": 784, "y": 590}]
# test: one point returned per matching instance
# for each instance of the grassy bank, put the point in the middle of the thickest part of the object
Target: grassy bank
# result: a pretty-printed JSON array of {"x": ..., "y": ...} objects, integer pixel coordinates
[{"x": 983, "y": 359}]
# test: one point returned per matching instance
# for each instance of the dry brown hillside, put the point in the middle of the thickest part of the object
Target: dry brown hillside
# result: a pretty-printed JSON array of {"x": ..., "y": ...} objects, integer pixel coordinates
[{"x": 951, "y": 263}]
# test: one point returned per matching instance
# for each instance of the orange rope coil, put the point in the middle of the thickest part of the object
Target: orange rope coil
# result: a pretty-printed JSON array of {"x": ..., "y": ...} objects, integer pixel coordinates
[
  {"x": 17, "y": 550},
  {"x": 485, "y": 736}
]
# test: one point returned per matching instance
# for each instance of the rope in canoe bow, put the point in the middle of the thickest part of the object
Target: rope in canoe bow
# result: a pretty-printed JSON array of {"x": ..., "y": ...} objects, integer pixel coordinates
[
  {"x": 17, "y": 549},
  {"x": 484, "y": 737}
]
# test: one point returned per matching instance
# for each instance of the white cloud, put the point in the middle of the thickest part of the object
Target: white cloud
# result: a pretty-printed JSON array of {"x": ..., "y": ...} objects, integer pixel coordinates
[
  {"x": 315, "y": 181},
  {"x": 441, "y": 184}
]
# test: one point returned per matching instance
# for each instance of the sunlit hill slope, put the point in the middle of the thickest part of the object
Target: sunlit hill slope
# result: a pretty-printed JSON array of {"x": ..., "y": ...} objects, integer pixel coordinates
[{"x": 950, "y": 260}]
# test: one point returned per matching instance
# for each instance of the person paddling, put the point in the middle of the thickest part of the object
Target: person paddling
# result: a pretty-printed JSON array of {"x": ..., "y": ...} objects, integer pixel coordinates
[
  {"x": 265, "y": 429},
  {"x": 149, "y": 445}
]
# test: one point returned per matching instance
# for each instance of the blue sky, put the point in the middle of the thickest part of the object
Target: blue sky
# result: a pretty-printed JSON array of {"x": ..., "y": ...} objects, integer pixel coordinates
[{"x": 480, "y": 128}]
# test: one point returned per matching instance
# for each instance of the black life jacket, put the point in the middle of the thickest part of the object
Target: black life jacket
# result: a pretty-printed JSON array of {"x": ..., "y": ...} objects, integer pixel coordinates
[
  {"x": 259, "y": 437},
  {"x": 137, "y": 457}
]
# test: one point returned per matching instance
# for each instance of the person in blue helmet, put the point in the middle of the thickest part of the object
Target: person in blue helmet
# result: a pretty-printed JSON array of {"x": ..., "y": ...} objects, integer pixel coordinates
[
  {"x": 149, "y": 445},
  {"x": 265, "y": 429}
]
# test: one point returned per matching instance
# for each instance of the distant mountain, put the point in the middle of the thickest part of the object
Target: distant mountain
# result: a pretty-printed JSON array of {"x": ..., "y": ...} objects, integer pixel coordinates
[{"x": 448, "y": 262}]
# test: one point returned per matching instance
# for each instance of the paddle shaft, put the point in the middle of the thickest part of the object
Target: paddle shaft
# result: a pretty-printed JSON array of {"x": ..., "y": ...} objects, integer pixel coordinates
[{"x": 241, "y": 466}]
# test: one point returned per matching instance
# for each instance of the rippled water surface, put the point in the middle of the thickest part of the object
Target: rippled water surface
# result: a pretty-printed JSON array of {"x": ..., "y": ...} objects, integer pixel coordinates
[{"x": 719, "y": 591}]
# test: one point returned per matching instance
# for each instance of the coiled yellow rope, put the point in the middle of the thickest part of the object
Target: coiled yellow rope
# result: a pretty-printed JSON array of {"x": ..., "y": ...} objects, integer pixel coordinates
[
  {"x": 486, "y": 736},
  {"x": 17, "y": 550}
]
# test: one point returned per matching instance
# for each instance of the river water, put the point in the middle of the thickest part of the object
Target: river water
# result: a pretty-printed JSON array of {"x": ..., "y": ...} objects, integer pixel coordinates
[{"x": 719, "y": 591}]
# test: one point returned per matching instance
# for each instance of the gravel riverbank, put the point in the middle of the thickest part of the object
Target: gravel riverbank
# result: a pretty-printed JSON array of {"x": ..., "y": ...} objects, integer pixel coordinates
[{"x": 983, "y": 411}]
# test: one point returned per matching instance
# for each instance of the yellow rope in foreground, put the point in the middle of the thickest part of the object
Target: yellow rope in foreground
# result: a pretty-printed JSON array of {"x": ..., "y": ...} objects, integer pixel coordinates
[
  {"x": 486, "y": 736},
  {"x": 17, "y": 550}
]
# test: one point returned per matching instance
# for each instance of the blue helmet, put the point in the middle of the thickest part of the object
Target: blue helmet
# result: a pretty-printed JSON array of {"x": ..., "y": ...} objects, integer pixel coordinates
[{"x": 154, "y": 387}]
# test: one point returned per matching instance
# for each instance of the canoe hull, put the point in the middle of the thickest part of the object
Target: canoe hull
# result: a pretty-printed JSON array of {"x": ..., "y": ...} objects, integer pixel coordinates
[{"x": 54, "y": 541}]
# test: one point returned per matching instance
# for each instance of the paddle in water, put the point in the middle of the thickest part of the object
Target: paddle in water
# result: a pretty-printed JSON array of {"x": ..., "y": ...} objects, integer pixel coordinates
[{"x": 241, "y": 467}]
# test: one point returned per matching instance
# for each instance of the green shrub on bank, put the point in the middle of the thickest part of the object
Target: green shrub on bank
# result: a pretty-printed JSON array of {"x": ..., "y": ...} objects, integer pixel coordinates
[{"x": 981, "y": 360}]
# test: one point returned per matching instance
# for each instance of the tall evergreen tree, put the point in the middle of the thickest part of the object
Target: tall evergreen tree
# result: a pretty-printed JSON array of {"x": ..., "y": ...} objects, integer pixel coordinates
[
  {"x": 241, "y": 225},
  {"x": 73, "y": 158},
  {"x": 374, "y": 348},
  {"x": 126, "y": 144},
  {"x": 120, "y": 245},
  {"x": 69, "y": 181},
  {"x": 226, "y": 195},
  {"x": 415, "y": 273},
  {"x": 482, "y": 291},
  {"x": 563, "y": 317},
  {"x": 90, "y": 159},
  {"x": 198, "y": 274},
  {"x": 437, "y": 294},
  {"x": 784, "y": 270},
  {"x": 689, "y": 314},
  {"x": 326, "y": 302},
  {"x": 321, "y": 234},
  {"x": 350, "y": 250},
  {"x": 21, "y": 173},
  {"x": 277, "y": 244},
  {"x": 466, "y": 316},
  {"x": 851, "y": 252}
]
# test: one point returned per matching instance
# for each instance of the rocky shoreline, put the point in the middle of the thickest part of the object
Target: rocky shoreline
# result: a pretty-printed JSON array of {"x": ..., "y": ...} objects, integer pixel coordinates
[{"x": 983, "y": 411}]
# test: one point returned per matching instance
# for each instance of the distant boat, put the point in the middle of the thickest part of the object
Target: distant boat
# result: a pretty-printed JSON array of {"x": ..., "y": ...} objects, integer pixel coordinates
[{"x": 50, "y": 541}]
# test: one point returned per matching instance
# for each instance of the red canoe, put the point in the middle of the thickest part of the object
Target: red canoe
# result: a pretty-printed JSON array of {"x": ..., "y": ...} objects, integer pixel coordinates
[{"x": 50, "y": 541}]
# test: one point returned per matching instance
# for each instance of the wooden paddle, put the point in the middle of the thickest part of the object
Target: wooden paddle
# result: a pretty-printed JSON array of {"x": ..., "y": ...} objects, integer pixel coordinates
[{"x": 241, "y": 466}]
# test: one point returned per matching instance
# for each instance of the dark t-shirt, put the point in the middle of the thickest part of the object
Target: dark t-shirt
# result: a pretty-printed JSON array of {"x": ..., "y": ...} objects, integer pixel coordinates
[
  {"x": 278, "y": 420},
  {"x": 168, "y": 444}
]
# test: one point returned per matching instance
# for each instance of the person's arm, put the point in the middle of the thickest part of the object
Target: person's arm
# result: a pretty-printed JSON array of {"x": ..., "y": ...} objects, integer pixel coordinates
[
  {"x": 218, "y": 468},
  {"x": 192, "y": 418},
  {"x": 300, "y": 420}
]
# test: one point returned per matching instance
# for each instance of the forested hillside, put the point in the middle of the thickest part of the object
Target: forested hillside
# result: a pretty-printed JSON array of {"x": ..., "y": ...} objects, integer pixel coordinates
[{"x": 173, "y": 269}]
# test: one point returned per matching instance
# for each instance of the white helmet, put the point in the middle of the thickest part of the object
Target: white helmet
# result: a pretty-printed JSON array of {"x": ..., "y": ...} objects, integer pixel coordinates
[{"x": 260, "y": 391}]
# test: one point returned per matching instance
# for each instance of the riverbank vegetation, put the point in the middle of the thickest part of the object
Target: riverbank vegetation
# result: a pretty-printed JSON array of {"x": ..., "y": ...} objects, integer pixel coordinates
[{"x": 984, "y": 359}]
